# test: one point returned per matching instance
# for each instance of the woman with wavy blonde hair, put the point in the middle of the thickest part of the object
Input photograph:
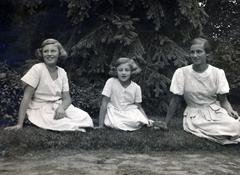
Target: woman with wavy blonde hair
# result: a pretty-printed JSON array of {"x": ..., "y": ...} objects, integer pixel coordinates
[{"x": 46, "y": 99}]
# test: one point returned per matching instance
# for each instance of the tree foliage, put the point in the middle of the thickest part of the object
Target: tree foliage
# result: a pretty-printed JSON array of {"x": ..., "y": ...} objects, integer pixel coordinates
[
  {"x": 224, "y": 29},
  {"x": 154, "y": 33},
  {"x": 150, "y": 32}
]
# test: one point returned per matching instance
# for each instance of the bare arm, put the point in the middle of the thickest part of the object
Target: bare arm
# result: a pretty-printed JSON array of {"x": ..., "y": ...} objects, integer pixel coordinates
[
  {"x": 28, "y": 93},
  {"x": 103, "y": 110},
  {"x": 66, "y": 102},
  {"x": 150, "y": 122},
  {"x": 226, "y": 105},
  {"x": 139, "y": 105},
  {"x": 174, "y": 102}
]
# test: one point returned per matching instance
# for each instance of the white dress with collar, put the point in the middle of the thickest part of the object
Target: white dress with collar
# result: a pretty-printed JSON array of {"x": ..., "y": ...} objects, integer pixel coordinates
[
  {"x": 122, "y": 113},
  {"x": 46, "y": 99},
  {"x": 203, "y": 115}
]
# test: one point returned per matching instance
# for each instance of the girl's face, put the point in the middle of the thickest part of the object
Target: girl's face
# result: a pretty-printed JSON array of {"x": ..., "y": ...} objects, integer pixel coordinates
[
  {"x": 124, "y": 72},
  {"x": 50, "y": 54},
  {"x": 198, "y": 54}
]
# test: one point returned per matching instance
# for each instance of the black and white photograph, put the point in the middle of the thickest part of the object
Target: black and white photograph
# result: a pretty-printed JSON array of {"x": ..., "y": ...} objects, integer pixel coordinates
[{"x": 119, "y": 87}]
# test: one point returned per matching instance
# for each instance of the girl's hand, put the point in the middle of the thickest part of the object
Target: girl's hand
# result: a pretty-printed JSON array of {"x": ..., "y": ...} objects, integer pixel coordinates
[
  {"x": 234, "y": 114},
  {"x": 15, "y": 127},
  {"x": 150, "y": 123},
  {"x": 160, "y": 125},
  {"x": 60, "y": 113}
]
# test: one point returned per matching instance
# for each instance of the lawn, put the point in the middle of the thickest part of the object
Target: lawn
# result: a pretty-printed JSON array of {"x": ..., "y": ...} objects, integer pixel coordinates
[{"x": 145, "y": 140}]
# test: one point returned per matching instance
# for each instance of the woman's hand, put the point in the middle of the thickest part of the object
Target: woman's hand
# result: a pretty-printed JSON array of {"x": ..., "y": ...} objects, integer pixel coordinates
[
  {"x": 226, "y": 105},
  {"x": 234, "y": 114},
  {"x": 15, "y": 127},
  {"x": 60, "y": 113}
]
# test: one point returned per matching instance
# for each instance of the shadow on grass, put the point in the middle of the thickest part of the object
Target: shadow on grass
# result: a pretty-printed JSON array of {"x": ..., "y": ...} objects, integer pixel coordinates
[{"x": 145, "y": 140}]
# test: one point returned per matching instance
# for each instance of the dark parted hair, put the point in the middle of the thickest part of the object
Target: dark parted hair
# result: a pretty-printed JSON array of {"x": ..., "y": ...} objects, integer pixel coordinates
[
  {"x": 205, "y": 42},
  {"x": 62, "y": 52}
]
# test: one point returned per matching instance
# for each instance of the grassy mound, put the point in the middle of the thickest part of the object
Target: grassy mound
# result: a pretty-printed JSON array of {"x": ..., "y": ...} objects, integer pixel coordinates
[{"x": 145, "y": 140}]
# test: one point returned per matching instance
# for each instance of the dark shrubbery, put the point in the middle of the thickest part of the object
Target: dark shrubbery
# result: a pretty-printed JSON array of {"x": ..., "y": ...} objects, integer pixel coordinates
[
  {"x": 226, "y": 56},
  {"x": 10, "y": 95},
  {"x": 86, "y": 97}
]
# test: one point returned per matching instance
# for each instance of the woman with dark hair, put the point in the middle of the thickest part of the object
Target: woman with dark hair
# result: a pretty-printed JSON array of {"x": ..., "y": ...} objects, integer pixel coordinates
[
  {"x": 46, "y": 99},
  {"x": 204, "y": 87}
]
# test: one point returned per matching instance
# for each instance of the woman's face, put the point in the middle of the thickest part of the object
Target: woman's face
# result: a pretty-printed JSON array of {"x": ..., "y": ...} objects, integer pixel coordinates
[
  {"x": 50, "y": 54},
  {"x": 198, "y": 54},
  {"x": 124, "y": 72}
]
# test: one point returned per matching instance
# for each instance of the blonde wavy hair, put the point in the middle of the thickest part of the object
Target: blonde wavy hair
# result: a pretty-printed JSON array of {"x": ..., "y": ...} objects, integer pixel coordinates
[
  {"x": 62, "y": 52},
  {"x": 135, "y": 69}
]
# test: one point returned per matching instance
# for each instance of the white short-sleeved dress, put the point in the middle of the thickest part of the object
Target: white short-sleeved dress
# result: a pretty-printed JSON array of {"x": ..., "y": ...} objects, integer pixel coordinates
[
  {"x": 46, "y": 99},
  {"x": 203, "y": 116},
  {"x": 122, "y": 113}
]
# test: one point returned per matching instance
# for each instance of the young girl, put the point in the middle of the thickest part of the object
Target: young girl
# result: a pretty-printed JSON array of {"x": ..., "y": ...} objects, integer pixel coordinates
[
  {"x": 121, "y": 103},
  {"x": 46, "y": 99}
]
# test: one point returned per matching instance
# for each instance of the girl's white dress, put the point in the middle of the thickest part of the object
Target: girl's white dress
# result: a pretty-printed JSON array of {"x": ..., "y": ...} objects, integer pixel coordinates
[
  {"x": 122, "y": 113},
  {"x": 203, "y": 115},
  {"x": 46, "y": 99}
]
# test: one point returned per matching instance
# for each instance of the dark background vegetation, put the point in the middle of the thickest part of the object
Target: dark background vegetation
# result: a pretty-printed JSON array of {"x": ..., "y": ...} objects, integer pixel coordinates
[{"x": 155, "y": 33}]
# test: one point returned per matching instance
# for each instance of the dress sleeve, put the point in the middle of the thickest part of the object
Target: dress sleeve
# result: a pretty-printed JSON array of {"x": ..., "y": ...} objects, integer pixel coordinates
[
  {"x": 65, "y": 86},
  {"x": 138, "y": 97},
  {"x": 32, "y": 77},
  {"x": 223, "y": 86},
  {"x": 107, "y": 90},
  {"x": 177, "y": 84}
]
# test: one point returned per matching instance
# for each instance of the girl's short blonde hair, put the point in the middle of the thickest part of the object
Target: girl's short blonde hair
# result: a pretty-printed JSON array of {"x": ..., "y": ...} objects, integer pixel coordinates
[
  {"x": 135, "y": 69},
  {"x": 62, "y": 52}
]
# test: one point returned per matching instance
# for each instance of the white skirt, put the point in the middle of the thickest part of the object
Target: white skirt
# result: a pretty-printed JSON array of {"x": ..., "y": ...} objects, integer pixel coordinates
[
  {"x": 212, "y": 122},
  {"x": 127, "y": 120},
  {"x": 42, "y": 115}
]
